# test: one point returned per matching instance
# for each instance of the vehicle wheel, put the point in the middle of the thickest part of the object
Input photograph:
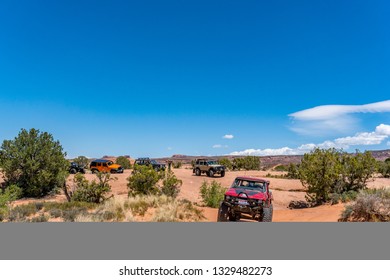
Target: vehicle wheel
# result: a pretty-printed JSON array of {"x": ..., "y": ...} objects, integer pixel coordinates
[
  {"x": 73, "y": 171},
  {"x": 223, "y": 213},
  {"x": 234, "y": 218},
  {"x": 267, "y": 214},
  {"x": 223, "y": 174},
  {"x": 197, "y": 172},
  {"x": 211, "y": 173},
  {"x": 94, "y": 171}
]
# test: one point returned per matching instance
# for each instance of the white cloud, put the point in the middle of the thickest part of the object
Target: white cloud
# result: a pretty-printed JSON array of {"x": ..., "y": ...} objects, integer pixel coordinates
[
  {"x": 327, "y": 112},
  {"x": 228, "y": 136},
  {"x": 333, "y": 118},
  {"x": 218, "y": 146},
  {"x": 381, "y": 133},
  {"x": 169, "y": 148}
]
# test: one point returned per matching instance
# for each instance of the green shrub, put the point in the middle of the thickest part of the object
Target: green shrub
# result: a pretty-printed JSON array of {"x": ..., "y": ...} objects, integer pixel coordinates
[
  {"x": 82, "y": 161},
  {"x": 212, "y": 194},
  {"x": 34, "y": 162},
  {"x": 124, "y": 162},
  {"x": 227, "y": 163},
  {"x": 8, "y": 195},
  {"x": 143, "y": 181},
  {"x": 281, "y": 168},
  {"x": 293, "y": 171},
  {"x": 171, "y": 185},
  {"x": 247, "y": 163},
  {"x": 94, "y": 192},
  {"x": 177, "y": 164},
  {"x": 371, "y": 205},
  {"x": 324, "y": 172},
  {"x": 384, "y": 168}
]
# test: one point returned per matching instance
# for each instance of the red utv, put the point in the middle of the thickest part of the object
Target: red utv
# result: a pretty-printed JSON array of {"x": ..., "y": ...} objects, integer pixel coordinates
[{"x": 248, "y": 197}]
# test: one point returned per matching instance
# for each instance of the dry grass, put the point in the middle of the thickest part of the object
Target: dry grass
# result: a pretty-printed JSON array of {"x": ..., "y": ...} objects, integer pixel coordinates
[
  {"x": 372, "y": 205},
  {"x": 161, "y": 208}
]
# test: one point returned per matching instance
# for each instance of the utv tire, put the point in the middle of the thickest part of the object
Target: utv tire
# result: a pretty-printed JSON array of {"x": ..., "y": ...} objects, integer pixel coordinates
[
  {"x": 223, "y": 213},
  {"x": 234, "y": 218},
  {"x": 197, "y": 172},
  {"x": 211, "y": 173},
  {"x": 95, "y": 171},
  {"x": 267, "y": 214},
  {"x": 73, "y": 171},
  {"x": 223, "y": 174}
]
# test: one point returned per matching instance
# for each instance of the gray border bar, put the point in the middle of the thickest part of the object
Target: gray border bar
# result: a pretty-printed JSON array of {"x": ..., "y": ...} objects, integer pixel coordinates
[{"x": 190, "y": 241}]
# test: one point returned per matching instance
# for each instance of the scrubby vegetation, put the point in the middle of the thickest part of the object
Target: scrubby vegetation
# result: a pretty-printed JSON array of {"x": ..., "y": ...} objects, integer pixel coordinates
[
  {"x": 86, "y": 191},
  {"x": 34, "y": 162},
  {"x": 161, "y": 208},
  {"x": 384, "y": 168},
  {"x": 177, "y": 164},
  {"x": 227, "y": 163},
  {"x": 124, "y": 162},
  {"x": 247, "y": 163},
  {"x": 212, "y": 194},
  {"x": 328, "y": 173},
  {"x": 171, "y": 185},
  {"x": 143, "y": 181},
  {"x": 371, "y": 205},
  {"x": 82, "y": 161}
]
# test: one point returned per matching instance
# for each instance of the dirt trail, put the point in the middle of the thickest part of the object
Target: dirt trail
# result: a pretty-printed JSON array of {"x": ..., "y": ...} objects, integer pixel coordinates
[{"x": 284, "y": 190}]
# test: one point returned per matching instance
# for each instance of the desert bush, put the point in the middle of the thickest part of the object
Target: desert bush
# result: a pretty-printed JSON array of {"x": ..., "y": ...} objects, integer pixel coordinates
[
  {"x": 171, "y": 185},
  {"x": 82, "y": 161},
  {"x": 281, "y": 168},
  {"x": 34, "y": 162},
  {"x": 247, "y": 163},
  {"x": 227, "y": 163},
  {"x": 325, "y": 172},
  {"x": 143, "y": 181},
  {"x": 21, "y": 212},
  {"x": 357, "y": 170},
  {"x": 94, "y": 192},
  {"x": 212, "y": 194},
  {"x": 124, "y": 162},
  {"x": 293, "y": 171},
  {"x": 177, "y": 164},
  {"x": 384, "y": 168},
  {"x": 42, "y": 218},
  {"x": 8, "y": 195},
  {"x": 371, "y": 205}
]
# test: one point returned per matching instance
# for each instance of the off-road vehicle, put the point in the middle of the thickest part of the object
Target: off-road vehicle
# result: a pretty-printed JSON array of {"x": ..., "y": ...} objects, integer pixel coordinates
[
  {"x": 76, "y": 168},
  {"x": 249, "y": 198},
  {"x": 210, "y": 167},
  {"x": 151, "y": 162},
  {"x": 106, "y": 166}
]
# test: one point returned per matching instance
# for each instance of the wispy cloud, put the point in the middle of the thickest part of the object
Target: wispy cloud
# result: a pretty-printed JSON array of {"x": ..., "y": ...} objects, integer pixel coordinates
[
  {"x": 333, "y": 118},
  {"x": 169, "y": 148},
  {"x": 381, "y": 133},
  {"x": 219, "y": 146},
  {"x": 228, "y": 136}
]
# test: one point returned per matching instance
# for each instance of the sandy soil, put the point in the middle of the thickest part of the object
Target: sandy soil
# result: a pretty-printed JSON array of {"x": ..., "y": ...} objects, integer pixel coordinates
[{"x": 284, "y": 190}]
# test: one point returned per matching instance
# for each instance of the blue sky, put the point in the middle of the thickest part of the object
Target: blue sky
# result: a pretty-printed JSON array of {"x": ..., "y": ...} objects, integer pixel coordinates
[{"x": 156, "y": 78}]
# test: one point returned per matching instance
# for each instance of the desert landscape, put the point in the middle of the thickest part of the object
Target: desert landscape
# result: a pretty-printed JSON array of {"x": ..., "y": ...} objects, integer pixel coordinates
[{"x": 284, "y": 191}]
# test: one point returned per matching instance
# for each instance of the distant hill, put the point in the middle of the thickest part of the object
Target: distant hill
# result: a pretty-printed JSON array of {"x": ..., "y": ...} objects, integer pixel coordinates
[{"x": 267, "y": 161}]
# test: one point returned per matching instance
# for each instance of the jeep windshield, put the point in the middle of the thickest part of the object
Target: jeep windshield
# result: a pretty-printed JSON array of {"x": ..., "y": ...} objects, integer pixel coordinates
[
  {"x": 110, "y": 163},
  {"x": 153, "y": 161},
  {"x": 245, "y": 184},
  {"x": 212, "y": 162}
]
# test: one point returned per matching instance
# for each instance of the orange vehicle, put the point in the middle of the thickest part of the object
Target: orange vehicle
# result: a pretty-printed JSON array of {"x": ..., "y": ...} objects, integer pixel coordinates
[{"x": 106, "y": 166}]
